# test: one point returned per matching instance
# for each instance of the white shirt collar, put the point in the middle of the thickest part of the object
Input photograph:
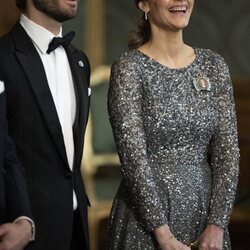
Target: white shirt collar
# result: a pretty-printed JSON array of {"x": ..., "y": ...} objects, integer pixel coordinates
[{"x": 40, "y": 36}]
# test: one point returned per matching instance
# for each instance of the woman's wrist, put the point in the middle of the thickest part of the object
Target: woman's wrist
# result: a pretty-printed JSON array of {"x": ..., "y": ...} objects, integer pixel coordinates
[
  {"x": 215, "y": 227},
  {"x": 166, "y": 242},
  {"x": 163, "y": 235}
]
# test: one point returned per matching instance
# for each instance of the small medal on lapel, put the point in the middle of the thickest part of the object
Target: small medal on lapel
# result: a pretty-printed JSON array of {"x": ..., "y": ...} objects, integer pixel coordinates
[{"x": 81, "y": 64}]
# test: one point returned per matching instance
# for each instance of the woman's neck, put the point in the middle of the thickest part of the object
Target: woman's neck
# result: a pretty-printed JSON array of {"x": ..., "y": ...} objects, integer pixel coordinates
[{"x": 168, "y": 49}]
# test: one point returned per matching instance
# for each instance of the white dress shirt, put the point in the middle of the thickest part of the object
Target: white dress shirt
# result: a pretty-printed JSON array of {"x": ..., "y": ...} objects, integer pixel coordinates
[{"x": 60, "y": 82}]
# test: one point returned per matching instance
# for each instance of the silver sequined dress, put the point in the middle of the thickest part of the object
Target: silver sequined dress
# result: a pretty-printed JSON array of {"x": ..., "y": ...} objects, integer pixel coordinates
[{"x": 177, "y": 145}]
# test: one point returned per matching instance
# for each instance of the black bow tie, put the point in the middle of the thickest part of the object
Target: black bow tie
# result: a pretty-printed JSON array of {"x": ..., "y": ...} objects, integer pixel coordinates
[{"x": 61, "y": 41}]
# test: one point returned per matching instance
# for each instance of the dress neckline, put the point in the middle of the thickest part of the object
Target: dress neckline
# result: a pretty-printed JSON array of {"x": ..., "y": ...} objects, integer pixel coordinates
[{"x": 196, "y": 51}]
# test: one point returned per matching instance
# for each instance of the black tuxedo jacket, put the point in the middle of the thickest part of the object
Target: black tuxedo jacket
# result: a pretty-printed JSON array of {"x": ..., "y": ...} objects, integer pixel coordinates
[
  {"x": 13, "y": 191},
  {"x": 35, "y": 128}
]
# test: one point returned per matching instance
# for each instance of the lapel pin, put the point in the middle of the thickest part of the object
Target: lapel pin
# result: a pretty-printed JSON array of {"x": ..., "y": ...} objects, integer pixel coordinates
[{"x": 81, "y": 64}]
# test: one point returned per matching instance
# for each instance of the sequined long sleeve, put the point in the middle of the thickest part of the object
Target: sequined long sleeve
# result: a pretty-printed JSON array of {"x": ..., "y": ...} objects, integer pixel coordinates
[
  {"x": 165, "y": 122},
  {"x": 125, "y": 111},
  {"x": 225, "y": 152}
]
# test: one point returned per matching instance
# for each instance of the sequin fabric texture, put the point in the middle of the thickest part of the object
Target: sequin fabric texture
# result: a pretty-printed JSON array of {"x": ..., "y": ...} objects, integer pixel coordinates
[{"x": 178, "y": 148}]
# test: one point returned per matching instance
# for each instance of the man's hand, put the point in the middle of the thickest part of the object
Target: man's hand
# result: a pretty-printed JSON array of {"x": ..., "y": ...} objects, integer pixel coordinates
[{"x": 15, "y": 236}]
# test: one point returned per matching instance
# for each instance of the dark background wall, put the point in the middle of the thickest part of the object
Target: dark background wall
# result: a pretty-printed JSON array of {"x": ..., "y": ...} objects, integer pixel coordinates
[{"x": 78, "y": 24}]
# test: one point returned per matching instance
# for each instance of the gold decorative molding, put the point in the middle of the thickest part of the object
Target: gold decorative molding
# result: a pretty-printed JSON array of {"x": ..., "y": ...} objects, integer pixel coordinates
[{"x": 95, "y": 30}]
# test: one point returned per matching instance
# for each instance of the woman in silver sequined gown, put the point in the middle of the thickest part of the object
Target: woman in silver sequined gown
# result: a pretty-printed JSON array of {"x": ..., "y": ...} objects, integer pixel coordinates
[{"x": 176, "y": 135}]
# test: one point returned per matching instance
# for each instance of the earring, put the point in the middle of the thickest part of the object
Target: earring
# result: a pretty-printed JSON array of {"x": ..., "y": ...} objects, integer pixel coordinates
[{"x": 146, "y": 15}]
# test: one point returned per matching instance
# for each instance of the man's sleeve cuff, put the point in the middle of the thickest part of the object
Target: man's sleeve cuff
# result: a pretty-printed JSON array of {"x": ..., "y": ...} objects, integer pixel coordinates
[{"x": 33, "y": 227}]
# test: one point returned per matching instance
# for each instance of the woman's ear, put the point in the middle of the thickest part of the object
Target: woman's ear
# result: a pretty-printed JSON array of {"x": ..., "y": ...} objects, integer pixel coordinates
[{"x": 143, "y": 5}]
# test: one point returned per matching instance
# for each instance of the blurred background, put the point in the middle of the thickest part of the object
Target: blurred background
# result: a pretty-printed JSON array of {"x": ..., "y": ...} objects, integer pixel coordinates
[{"x": 102, "y": 28}]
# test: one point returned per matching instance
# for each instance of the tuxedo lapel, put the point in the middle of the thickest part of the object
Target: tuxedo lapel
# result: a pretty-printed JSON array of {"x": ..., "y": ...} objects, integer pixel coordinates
[
  {"x": 81, "y": 92},
  {"x": 32, "y": 65}
]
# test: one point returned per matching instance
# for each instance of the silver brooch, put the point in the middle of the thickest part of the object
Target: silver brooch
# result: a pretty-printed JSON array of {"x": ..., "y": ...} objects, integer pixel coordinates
[{"x": 201, "y": 82}]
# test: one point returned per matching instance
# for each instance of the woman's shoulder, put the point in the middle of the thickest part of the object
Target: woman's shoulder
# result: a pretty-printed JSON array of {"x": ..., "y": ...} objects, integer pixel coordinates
[
  {"x": 210, "y": 56},
  {"x": 128, "y": 59},
  {"x": 215, "y": 67}
]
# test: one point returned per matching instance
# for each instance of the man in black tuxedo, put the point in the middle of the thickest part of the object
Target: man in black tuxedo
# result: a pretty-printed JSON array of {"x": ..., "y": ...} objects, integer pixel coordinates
[
  {"x": 47, "y": 87},
  {"x": 15, "y": 214}
]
